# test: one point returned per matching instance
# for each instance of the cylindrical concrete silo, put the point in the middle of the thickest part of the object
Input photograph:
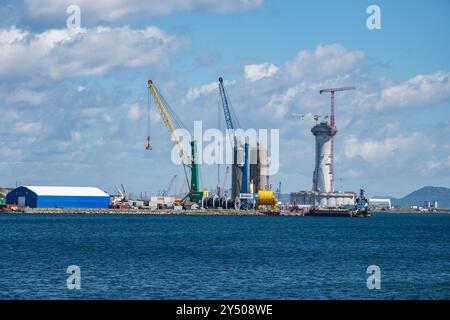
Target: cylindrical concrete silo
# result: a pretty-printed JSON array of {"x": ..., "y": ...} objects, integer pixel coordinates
[{"x": 264, "y": 168}]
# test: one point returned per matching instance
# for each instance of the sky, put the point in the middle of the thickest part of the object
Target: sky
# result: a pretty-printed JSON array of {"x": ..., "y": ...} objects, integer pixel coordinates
[{"x": 75, "y": 104}]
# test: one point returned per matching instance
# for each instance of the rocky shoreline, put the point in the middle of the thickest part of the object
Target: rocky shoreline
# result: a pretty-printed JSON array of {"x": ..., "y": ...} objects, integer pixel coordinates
[{"x": 209, "y": 212}]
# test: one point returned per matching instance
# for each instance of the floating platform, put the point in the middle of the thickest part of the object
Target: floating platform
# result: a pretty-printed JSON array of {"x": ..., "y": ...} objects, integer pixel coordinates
[{"x": 329, "y": 212}]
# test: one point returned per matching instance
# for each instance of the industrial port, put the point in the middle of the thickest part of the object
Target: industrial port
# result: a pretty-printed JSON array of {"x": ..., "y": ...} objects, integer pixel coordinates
[{"x": 248, "y": 194}]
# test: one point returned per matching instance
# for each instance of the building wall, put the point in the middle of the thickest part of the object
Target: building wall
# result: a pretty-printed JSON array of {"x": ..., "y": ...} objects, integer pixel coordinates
[
  {"x": 380, "y": 203},
  {"x": 72, "y": 202},
  {"x": 430, "y": 204},
  {"x": 30, "y": 197}
]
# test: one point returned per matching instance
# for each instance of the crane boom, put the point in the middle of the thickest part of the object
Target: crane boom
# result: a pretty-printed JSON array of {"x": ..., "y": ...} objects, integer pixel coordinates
[
  {"x": 337, "y": 89},
  {"x": 185, "y": 158},
  {"x": 226, "y": 105},
  {"x": 332, "y": 91}
]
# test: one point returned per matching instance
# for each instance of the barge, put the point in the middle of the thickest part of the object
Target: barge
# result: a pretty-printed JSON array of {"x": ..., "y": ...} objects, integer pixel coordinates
[{"x": 361, "y": 210}]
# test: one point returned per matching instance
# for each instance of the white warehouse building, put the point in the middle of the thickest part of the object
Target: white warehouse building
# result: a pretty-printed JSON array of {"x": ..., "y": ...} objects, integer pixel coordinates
[{"x": 380, "y": 203}]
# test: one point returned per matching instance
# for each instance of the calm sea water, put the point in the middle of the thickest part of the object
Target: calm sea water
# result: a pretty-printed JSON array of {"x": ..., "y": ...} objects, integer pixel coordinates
[{"x": 224, "y": 257}]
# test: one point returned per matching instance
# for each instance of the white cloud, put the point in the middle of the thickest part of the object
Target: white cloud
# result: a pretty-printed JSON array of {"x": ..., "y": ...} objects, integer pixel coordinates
[
  {"x": 59, "y": 54},
  {"x": 194, "y": 93},
  {"x": 278, "y": 105},
  {"x": 421, "y": 90},
  {"x": 295, "y": 85},
  {"x": 354, "y": 173},
  {"x": 134, "y": 112},
  {"x": 433, "y": 165},
  {"x": 12, "y": 35},
  {"x": 27, "y": 96},
  {"x": 92, "y": 112},
  {"x": 254, "y": 72},
  {"x": 324, "y": 61},
  {"x": 100, "y": 11},
  {"x": 11, "y": 115},
  {"x": 376, "y": 150},
  {"x": 76, "y": 136},
  {"x": 28, "y": 128}
]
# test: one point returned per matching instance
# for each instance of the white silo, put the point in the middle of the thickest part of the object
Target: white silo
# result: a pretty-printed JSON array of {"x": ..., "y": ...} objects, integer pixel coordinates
[
  {"x": 332, "y": 200},
  {"x": 264, "y": 174}
]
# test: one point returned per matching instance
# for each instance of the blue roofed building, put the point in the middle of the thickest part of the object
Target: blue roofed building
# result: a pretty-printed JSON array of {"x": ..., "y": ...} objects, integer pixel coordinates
[{"x": 61, "y": 197}]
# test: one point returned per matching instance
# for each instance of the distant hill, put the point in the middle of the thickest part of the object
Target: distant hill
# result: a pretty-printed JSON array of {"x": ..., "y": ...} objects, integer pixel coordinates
[{"x": 416, "y": 198}]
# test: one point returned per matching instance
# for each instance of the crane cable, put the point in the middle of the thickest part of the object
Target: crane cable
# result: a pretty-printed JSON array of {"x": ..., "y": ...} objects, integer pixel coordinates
[
  {"x": 148, "y": 120},
  {"x": 233, "y": 113}
]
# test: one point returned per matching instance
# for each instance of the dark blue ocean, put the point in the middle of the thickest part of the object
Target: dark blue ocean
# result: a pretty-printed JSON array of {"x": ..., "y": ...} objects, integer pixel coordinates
[{"x": 224, "y": 257}]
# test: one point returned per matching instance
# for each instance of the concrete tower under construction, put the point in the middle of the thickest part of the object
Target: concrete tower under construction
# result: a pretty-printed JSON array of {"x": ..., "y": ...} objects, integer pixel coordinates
[{"x": 323, "y": 171}]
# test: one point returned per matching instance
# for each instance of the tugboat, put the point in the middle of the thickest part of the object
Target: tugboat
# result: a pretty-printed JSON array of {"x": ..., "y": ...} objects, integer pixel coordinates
[{"x": 361, "y": 206}]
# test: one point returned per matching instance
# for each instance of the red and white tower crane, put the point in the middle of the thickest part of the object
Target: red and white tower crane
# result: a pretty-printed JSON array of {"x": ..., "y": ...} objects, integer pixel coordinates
[{"x": 333, "y": 128}]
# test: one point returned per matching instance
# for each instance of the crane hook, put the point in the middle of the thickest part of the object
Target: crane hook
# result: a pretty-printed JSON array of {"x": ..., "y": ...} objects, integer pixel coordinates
[{"x": 149, "y": 146}]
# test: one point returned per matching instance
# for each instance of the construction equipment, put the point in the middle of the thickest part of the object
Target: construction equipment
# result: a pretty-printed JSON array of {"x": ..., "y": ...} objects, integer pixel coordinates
[
  {"x": 333, "y": 127},
  {"x": 121, "y": 200},
  {"x": 166, "y": 191},
  {"x": 122, "y": 192},
  {"x": 230, "y": 116},
  {"x": 232, "y": 123},
  {"x": 172, "y": 123},
  {"x": 149, "y": 146},
  {"x": 267, "y": 199}
]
